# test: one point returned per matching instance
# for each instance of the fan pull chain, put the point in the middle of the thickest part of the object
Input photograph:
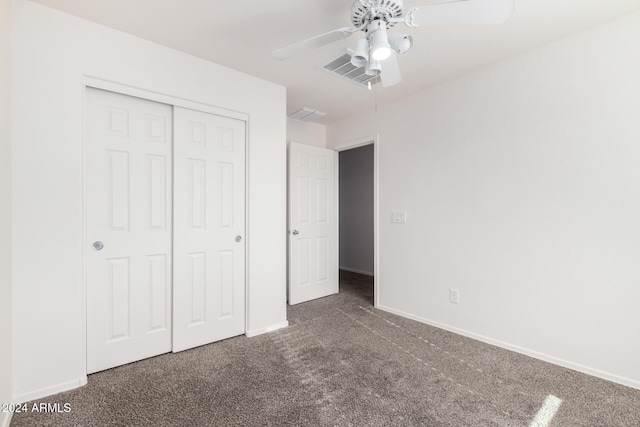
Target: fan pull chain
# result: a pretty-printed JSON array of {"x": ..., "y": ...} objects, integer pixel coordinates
[{"x": 376, "y": 95}]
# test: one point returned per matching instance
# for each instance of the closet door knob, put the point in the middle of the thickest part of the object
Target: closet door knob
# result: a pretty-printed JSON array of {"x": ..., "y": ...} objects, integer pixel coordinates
[
  {"x": 238, "y": 238},
  {"x": 295, "y": 232},
  {"x": 97, "y": 246}
]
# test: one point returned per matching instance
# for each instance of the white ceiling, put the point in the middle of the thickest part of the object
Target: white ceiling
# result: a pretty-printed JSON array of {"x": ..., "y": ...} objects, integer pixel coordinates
[{"x": 241, "y": 34}]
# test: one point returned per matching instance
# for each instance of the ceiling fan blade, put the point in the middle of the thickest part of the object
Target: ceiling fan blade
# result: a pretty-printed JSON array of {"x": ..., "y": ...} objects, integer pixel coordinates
[
  {"x": 312, "y": 43},
  {"x": 390, "y": 74},
  {"x": 461, "y": 12}
]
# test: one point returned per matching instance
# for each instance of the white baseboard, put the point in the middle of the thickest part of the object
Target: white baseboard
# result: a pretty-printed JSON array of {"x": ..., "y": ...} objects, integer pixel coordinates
[
  {"x": 256, "y": 332},
  {"x": 49, "y": 391},
  {"x": 532, "y": 353},
  {"x": 354, "y": 270},
  {"x": 5, "y": 419}
]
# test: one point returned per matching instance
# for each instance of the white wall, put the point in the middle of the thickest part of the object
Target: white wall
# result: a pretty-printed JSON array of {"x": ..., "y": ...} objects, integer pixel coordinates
[
  {"x": 521, "y": 182},
  {"x": 307, "y": 133},
  {"x": 356, "y": 209},
  {"x": 53, "y": 51},
  {"x": 5, "y": 206}
]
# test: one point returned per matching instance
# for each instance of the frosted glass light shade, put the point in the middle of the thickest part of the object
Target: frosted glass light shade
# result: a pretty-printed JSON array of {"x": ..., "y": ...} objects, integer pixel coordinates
[
  {"x": 380, "y": 48},
  {"x": 360, "y": 56}
]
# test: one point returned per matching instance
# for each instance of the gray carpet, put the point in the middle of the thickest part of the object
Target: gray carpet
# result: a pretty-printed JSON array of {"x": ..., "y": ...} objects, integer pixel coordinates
[{"x": 341, "y": 363}]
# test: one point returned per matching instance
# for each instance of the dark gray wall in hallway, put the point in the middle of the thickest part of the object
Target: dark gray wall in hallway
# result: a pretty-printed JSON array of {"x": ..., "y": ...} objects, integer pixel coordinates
[{"x": 356, "y": 209}]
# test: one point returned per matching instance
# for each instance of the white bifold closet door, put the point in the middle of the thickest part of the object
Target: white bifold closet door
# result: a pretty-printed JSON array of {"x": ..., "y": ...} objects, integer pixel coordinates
[
  {"x": 209, "y": 228},
  {"x": 128, "y": 228}
]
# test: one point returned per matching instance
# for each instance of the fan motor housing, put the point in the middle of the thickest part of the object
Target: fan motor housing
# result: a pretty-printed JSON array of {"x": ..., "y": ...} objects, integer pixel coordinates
[{"x": 361, "y": 11}]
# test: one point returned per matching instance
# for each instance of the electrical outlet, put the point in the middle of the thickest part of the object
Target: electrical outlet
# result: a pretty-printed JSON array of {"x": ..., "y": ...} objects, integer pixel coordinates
[{"x": 454, "y": 296}]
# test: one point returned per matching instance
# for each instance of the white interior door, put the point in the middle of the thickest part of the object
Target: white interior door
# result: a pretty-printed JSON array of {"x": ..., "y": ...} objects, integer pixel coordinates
[
  {"x": 209, "y": 228},
  {"x": 313, "y": 235},
  {"x": 128, "y": 229}
]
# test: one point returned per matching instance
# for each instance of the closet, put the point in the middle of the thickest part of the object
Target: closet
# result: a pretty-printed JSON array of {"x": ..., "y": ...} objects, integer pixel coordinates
[{"x": 164, "y": 228}]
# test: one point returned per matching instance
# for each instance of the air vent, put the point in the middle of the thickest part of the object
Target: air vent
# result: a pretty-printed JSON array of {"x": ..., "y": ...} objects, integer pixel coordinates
[
  {"x": 343, "y": 67},
  {"x": 307, "y": 114}
]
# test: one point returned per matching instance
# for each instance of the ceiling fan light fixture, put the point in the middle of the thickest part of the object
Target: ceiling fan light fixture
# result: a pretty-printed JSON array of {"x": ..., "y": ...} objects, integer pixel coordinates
[
  {"x": 401, "y": 43},
  {"x": 360, "y": 55},
  {"x": 373, "y": 68},
  {"x": 380, "y": 47}
]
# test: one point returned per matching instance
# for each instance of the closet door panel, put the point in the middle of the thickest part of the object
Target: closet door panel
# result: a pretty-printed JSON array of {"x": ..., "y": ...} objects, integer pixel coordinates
[
  {"x": 128, "y": 163},
  {"x": 209, "y": 228}
]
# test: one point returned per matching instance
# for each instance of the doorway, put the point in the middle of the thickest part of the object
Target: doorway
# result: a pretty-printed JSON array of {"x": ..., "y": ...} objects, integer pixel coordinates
[{"x": 311, "y": 169}]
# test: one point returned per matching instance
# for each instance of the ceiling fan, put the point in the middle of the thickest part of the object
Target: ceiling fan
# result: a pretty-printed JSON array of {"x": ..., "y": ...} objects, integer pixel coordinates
[{"x": 374, "y": 17}]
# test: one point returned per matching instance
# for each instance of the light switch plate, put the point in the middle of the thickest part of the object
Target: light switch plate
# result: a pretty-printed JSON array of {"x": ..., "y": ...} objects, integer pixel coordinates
[{"x": 399, "y": 217}]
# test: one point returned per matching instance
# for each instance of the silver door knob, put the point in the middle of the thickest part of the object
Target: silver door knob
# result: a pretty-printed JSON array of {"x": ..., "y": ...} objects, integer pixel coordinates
[
  {"x": 97, "y": 246},
  {"x": 238, "y": 238},
  {"x": 295, "y": 232}
]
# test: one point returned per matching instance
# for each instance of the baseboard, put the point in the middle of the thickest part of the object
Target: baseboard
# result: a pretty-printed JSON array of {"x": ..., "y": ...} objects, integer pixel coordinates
[
  {"x": 527, "y": 352},
  {"x": 256, "y": 332},
  {"x": 354, "y": 270},
  {"x": 50, "y": 391},
  {"x": 5, "y": 419}
]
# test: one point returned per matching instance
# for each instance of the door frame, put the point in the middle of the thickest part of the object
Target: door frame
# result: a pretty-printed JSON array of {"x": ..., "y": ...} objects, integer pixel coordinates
[
  {"x": 349, "y": 145},
  {"x": 123, "y": 89}
]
